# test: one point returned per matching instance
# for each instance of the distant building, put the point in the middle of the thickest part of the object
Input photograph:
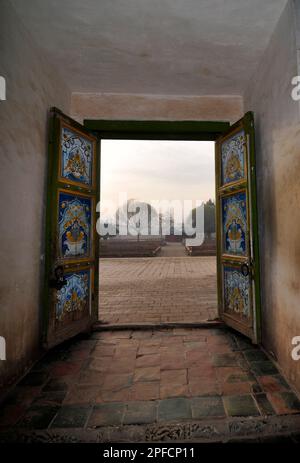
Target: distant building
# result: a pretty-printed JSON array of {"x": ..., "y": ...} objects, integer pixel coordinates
[{"x": 138, "y": 220}]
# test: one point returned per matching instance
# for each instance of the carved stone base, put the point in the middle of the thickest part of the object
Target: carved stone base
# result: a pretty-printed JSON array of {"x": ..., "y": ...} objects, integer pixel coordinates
[{"x": 222, "y": 430}]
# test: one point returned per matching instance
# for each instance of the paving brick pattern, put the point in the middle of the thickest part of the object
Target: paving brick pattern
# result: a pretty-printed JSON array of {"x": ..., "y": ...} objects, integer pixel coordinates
[
  {"x": 158, "y": 290},
  {"x": 117, "y": 378},
  {"x": 173, "y": 250}
]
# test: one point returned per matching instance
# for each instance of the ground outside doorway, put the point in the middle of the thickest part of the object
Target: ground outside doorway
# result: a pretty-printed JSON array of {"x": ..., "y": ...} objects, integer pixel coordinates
[
  {"x": 155, "y": 385},
  {"x": 171, "y": 287}
]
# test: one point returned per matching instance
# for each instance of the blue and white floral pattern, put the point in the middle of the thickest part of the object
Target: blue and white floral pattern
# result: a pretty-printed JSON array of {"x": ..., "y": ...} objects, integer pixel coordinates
[
  {"x": 74, "y": 226},
  {"x": 233, "y": 158},
  {"x": 76, "y": 157},
  {"x": 236, "y": 292},
  {"x": 75, "y": 295},
  {"x": 234, "y": 224}
]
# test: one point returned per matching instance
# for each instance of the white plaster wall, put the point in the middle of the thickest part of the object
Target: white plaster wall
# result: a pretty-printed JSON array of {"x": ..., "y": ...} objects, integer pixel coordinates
[
  {"x": 156, "y": 107},
  {"x": 32, "y": 87},
  {"x": 278, "y": 166}
]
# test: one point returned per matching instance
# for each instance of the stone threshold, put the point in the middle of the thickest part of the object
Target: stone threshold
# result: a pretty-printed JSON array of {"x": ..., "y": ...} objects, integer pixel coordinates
[
  {"x": 98, "y": 326},
  {"x": 230, "y": 430}
]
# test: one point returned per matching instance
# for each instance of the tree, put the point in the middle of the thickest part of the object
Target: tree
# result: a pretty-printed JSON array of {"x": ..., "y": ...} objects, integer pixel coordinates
[{"x": 209, "y": 218}]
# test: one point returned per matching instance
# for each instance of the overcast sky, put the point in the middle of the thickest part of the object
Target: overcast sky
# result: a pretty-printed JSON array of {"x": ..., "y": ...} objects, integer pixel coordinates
[{"x": 157, "y": 170}]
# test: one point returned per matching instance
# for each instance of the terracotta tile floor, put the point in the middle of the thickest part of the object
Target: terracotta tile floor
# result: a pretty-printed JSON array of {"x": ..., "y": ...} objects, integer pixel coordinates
[
  {"x": 158, "y": 290},
  {"x": 116, "y": 378}
]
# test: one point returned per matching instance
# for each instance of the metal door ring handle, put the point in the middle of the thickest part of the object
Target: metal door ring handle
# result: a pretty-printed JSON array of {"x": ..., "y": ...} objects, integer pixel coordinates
[
  {"x": 59, "y": 279},
  {"x": 245, "y": 269}
]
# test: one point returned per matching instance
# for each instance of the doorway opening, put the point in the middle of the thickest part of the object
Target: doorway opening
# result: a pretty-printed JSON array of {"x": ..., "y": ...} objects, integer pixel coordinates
[{"x": 157, "y": 240}]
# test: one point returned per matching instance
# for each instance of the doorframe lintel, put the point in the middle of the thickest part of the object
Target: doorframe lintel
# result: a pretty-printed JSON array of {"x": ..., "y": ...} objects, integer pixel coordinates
[{"x": 157, "y": 130}]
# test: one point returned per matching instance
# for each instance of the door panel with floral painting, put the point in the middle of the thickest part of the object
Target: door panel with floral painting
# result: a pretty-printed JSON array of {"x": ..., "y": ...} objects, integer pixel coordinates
[
  {"x": 238, "y": 268},
  {"x": 71, "y": 254}
]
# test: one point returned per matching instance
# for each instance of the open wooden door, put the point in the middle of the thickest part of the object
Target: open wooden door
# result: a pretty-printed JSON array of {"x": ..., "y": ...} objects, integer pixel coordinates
[
  {"x": 237, "y": 236},
  {"x": 71, "y": 276}
]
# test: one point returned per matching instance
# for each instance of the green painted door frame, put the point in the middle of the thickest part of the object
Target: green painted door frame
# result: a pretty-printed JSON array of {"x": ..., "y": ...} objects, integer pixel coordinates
[{"x": 157, "y": 130}]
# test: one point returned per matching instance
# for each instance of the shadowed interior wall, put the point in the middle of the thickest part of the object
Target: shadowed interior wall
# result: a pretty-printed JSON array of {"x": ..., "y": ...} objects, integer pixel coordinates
[
  {"x": 278, "y": 166},
  {"x": 32, "y": 87}
]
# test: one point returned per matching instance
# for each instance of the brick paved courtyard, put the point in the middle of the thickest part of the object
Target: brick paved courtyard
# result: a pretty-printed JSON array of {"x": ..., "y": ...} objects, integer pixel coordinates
[
  {"x": 158, "y": 290},
  {"x": 107, "y": 385}
]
